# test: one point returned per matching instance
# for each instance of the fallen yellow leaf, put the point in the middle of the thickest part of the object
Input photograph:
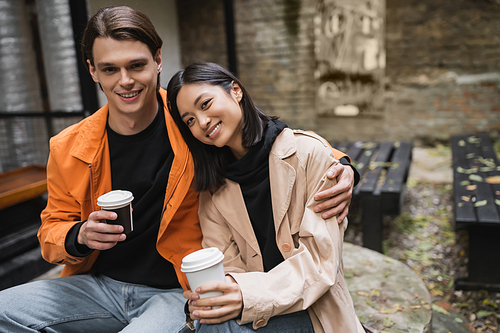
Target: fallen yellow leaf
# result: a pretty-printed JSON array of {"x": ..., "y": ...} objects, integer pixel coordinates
[
  {"x": 493, "y": 180},
  {"x": 394, "y": 309},
  {"x": 436, "y": 292},
  {"x": 388, "y": 311},
  {"x": 481, "y": 203},
  {"x": 375, "y": 292},
  {"x": 466, "y": 199},
  {"x": 439, "y": 309},
  {"x": 476, "y": 178},
  {"x": 471, "y": 187}
]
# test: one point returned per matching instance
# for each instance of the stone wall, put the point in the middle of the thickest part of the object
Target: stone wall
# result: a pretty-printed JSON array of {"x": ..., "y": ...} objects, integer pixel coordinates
[
  {"x": 442, "y": 64},
  {"x": 202, "y": 31},
  {"x": 443, "y": 68},
  {"x": 275, "y": 53}
]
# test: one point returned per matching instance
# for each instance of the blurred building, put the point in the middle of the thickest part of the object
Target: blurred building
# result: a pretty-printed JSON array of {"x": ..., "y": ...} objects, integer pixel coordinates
[{"x": 348, "y": 69}]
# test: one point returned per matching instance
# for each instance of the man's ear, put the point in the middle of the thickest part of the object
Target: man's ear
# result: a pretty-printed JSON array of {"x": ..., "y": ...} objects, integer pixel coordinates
[
  {"x": 157, "y": 59},
  {"x": 92, "y": 71},
  {"x": 237, "y": 92}
]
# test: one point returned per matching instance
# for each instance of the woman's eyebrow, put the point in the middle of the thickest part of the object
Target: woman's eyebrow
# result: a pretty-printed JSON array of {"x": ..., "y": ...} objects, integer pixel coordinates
[{"x": 198, "y": 99}]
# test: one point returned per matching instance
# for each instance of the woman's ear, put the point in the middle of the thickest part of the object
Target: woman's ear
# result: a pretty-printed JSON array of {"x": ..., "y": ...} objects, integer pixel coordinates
[{"x": 237, "y": 92}]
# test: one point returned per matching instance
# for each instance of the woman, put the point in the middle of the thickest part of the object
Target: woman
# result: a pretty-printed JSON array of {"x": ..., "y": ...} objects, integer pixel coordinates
[{"x": 283, "y": 262}]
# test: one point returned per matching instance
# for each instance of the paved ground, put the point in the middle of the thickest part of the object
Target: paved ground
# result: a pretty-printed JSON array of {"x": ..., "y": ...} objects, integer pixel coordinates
[{"x": 431, "y": 165}]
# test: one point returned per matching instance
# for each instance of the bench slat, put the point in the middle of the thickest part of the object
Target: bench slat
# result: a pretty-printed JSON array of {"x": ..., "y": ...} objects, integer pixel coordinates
[
  {"x": 395, "y": 181},
  {"x": 400, "y": 166},
  {"x": 365, "y": 155},
  {"x": 22, "y": 184},
  {"x": 375, "y": 168},
  {"x": 18, "y": 242},
  {"x": 464, "y": 210},
  {"x": 23, "y": 268},
  {"x": 489, "y": 153},
  {"x": 354, "y": 151},
  {"x": 485, "y": 213}
]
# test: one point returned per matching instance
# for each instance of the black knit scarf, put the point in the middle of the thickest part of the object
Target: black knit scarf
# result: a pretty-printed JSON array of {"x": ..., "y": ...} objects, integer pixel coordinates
[{"x": 251, "y": 172}]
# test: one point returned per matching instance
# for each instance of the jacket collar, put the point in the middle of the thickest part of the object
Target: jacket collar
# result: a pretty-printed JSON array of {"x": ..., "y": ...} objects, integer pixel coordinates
[
  {"x": 90, "y": 136},
  {"x": 287, "y": 146}
]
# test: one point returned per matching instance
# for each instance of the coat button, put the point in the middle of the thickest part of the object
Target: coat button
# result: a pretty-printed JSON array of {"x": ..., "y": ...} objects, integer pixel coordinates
[
  {"x": 286, "y": 247},
  {"x": 260, "y": 323}
]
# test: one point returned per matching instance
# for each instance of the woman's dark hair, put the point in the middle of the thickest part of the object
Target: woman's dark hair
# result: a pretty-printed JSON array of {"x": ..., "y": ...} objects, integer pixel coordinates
[
  {"x": 119, "y": 23},
  {"x": 210, "y": 161}
]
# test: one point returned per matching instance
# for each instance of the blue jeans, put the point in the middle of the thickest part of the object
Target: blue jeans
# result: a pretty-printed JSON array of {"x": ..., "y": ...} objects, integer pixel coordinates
[
  {"x": 298, "y": 322},
  {"x": 89, "y": 303}
]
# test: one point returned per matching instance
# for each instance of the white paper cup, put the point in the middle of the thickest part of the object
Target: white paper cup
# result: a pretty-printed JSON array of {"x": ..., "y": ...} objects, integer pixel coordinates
[
  {"x": 120, "y": 202},
  {"x": 204, "y": 266}
]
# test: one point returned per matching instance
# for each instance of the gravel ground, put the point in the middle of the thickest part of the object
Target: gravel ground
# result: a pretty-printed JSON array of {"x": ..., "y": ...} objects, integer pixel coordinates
[{"x": 424, "y": 238}]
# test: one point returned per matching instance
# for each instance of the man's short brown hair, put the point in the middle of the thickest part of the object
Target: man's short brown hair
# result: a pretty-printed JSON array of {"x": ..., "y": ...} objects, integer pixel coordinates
[{"x": 119, "y": 23}]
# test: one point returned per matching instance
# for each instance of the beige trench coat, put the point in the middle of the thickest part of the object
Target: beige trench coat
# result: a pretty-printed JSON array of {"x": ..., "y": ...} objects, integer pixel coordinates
[{"x": 312, "y": 276}]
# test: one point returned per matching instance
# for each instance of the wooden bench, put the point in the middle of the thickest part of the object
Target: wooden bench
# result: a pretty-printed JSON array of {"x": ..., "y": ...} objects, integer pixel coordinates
[
  {"x": 384, "y": 168},
  {"x": 477, "y": 198},
  {"x": 21, "y": 201}
]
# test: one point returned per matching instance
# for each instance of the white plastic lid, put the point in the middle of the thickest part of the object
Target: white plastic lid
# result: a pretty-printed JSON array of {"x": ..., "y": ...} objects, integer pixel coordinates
[
  {"x": 201, "y": 259},
  {"x": 115, "y": 198}
]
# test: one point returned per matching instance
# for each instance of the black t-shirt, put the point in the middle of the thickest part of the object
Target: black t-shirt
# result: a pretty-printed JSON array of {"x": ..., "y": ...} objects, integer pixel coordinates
[{"x": 140, "y": 163}]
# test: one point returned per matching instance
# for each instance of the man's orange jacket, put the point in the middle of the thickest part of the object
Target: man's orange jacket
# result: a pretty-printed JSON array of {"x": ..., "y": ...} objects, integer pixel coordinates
[{"x": 79, "y": 171}]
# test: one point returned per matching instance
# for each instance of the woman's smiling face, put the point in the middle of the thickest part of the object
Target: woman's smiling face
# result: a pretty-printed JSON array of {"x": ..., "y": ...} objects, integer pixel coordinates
[{"x": 214, "y": 116}]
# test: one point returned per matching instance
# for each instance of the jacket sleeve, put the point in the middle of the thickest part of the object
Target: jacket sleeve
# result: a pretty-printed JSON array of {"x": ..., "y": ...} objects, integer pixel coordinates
[{"x": 60, "y": 215}]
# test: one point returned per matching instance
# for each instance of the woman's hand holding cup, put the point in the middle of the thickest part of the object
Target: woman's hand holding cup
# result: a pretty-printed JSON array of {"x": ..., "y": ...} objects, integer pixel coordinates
[{"x": 218, "y": 309}]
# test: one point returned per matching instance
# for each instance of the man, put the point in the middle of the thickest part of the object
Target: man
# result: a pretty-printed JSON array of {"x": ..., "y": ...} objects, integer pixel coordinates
[{"x": 112, "y": 281}]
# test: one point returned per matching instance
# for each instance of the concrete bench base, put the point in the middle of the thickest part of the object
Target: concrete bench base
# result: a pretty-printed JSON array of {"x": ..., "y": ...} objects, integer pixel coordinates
[{"x": 388, "y": 295}]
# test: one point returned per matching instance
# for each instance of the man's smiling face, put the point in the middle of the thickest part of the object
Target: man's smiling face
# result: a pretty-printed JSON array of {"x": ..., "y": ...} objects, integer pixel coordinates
[{"x": 127, "y": 73}]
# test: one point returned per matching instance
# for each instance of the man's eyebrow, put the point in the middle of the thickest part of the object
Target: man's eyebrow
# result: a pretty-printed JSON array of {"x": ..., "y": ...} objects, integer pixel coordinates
[
  {"x": 104, "y": 64},
  {"x": 108, "y": 64}
]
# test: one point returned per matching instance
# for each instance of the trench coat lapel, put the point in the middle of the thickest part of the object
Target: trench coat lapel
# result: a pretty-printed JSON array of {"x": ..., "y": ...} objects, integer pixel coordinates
[
  {"x": 230, "y": 203},
  {"x": 282, "y": 180},
  {"x": 282, "y": 176}
]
